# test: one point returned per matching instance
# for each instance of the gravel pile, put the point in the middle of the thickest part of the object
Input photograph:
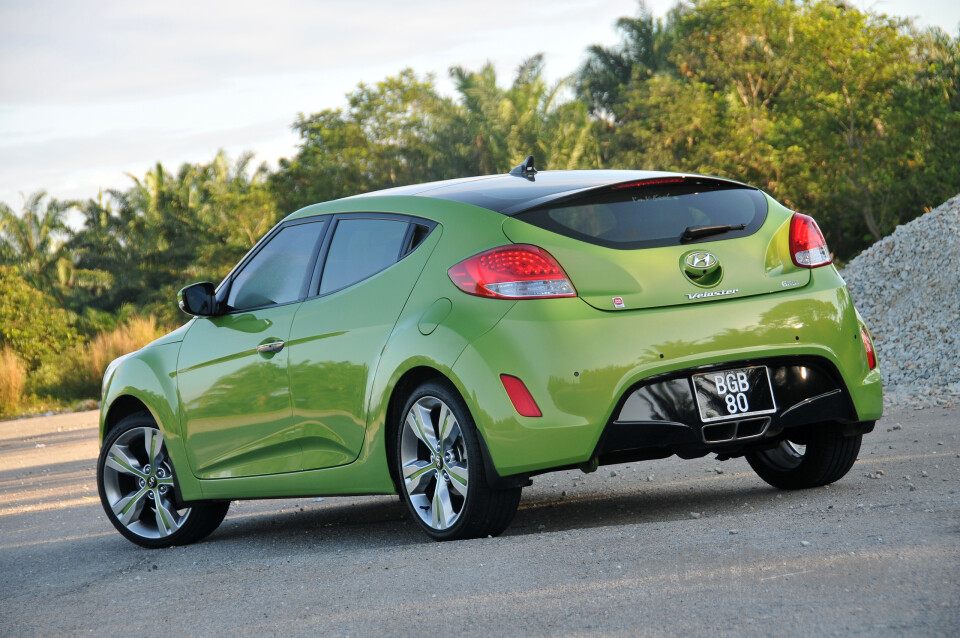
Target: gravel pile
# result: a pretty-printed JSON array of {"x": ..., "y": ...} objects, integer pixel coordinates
[{"x": 907, "y": 287}]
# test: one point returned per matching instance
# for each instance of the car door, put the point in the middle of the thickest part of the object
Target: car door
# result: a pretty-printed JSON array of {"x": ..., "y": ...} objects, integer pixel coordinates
[
  {"x": 370, "y": 266},
  {"x": 232, "y": 371}
]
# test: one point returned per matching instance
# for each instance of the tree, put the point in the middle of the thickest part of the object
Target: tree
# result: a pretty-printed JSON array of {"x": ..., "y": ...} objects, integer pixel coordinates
[
  {"x": 35, "y": 240},
  {"x": 849, "y": 115},
  {"x": 643, "y": 52},
  {"x": 529, "y": 118},
  {"x": 386, "y": 137}
]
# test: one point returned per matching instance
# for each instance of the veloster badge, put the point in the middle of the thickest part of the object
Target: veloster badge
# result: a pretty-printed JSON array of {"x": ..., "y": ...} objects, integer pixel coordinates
[{"x": 714, "y": 293}]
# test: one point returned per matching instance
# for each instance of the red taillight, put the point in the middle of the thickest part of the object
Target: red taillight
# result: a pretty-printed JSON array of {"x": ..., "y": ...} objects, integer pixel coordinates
[
  {"x": 518, "y": 271},
  {"x": 868, "y": 348},
  {"x": 807, "y": 245},
  {"x": 523, "y": 403}
]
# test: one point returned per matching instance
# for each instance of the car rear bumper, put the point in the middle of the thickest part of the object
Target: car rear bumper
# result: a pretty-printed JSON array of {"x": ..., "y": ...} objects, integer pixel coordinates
[{"x": 582, "y": 366}]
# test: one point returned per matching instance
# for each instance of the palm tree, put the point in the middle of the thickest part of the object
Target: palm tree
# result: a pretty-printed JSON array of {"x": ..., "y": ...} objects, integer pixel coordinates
[
  {"x": 528, "y": 118},
  {"x": 643, "y": 52},
  {"x": 35, "y": 240}
]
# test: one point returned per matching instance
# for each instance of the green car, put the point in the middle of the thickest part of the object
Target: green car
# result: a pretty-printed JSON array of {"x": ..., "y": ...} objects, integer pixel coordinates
[{"x": 448, "y": 341}]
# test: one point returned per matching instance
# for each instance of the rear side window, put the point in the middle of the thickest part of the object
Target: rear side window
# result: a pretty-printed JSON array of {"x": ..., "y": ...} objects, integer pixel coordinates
[
  {"x": 276, "y": 273},
  {"x": 360, "y": 248},
  {"x": 652, "y": 216}
]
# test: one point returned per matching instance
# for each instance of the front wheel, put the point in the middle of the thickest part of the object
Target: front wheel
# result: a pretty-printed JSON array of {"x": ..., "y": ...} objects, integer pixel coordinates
[
  {"x": 440, "y": 469},
  {"x": 137, "y": 484},
  {"x": 820, "y": 457}
]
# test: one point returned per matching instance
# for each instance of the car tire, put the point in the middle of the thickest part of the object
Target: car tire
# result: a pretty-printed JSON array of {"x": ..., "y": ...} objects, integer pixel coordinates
[
  {"x": 822, "y": 456},
  {"x": 137, "y": 484},
  {"x": 440, "y": 471}
]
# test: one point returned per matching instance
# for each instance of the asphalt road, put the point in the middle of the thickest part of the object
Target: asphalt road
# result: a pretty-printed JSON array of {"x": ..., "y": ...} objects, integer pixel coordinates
[{"x": 616, "y": 552}]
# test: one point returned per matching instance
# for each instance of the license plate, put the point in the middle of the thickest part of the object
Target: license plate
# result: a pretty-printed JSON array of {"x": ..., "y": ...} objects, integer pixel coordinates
[{"x": 732, "y": 394}]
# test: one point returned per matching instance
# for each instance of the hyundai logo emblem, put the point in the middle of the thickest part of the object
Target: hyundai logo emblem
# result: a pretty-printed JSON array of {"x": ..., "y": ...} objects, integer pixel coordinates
[{"x": 702, "y": 261}]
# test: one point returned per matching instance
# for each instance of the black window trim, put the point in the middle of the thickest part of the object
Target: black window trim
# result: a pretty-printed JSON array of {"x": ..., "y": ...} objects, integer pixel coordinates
[
  {"x": 223, "y": 290},
  {"x": 329, "y": 233}
]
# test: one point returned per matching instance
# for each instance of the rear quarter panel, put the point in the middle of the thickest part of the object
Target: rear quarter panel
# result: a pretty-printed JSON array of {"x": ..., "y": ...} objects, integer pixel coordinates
[{"x": 578, "y": 361}]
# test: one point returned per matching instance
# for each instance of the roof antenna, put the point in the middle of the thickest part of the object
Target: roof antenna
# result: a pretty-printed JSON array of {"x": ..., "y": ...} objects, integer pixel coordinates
[{"x": 526, "y": 169}]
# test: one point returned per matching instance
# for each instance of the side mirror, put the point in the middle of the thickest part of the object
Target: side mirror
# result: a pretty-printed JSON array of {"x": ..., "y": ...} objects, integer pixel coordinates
[{"x": 199, "y": 300}]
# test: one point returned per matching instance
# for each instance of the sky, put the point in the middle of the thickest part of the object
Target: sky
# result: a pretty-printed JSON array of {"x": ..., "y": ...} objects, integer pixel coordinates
[{"x": 93, "y": 91}]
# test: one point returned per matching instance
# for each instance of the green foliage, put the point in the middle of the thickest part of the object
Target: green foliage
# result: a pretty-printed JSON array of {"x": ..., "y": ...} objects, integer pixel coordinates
[
  {"x": 402, "y": 131},
  {"x": 34, "y": 241},
  {"x": 138, "y": 247},
  {"x": 388, "y": 136},
  {"x": 31, "y": 323},
  {"x": 848, "y": 115}
]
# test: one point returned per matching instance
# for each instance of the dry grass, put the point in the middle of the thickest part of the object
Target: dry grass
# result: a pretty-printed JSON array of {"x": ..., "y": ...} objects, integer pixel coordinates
[
  {"x": 13, "y": 374},
  {"x": 107, "y": 346}
]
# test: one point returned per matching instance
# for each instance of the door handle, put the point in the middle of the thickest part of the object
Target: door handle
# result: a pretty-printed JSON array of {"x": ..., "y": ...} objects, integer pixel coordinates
[{"x": 275, "y": 346}]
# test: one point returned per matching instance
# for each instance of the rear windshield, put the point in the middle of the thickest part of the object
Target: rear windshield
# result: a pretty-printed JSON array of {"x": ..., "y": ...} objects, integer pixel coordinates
[{"x": 652, "y": 216}]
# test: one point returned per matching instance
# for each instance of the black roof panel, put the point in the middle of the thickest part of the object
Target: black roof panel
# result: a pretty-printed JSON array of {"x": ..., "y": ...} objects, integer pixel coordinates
[{"x": 511, "y": 194}]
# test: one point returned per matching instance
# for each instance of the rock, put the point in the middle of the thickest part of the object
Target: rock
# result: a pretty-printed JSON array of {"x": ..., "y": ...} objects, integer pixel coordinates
[
  {"x": 612, "y": 473},
  {"x": 900, "y": 285},
  {"x": 734, "y": 532},
  {"x": 805, "y": 543}
]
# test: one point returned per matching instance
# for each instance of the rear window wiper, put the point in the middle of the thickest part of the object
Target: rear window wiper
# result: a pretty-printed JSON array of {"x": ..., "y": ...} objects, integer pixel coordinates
[{"x": 697, "y": 232}]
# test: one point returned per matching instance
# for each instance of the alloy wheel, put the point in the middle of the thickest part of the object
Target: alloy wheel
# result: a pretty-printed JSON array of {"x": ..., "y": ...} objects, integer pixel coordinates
[
  {"x": 138, "y": 484},
  {"x": 433, "y": 463}
]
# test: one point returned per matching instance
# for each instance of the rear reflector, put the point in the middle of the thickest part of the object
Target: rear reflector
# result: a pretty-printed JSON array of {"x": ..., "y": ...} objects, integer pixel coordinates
[
  {"x": 868, "y": 348},
  {"x": 517, "y": 271},
  {"x": 807, "y": 245},
  {"x": 523, "y": 403}
]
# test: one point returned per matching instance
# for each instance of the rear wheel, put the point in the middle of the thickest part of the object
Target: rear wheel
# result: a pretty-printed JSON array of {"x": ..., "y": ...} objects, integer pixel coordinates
[
  {"x": 440, "y": 469},
  {"x": 137, "y": 485},
  {"x": 823, "y": 455}
]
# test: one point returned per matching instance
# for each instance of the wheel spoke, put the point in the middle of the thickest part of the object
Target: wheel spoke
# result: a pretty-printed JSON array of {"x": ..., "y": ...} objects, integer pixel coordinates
[
  {"x": 443, "y": 512},
  {"x": 458, "y": 477},
  {"x": 417, "y": 475},
  {"x": 129, "y": 508},
  {"x": 166, "y": 517},
  {"x": 153, "y": 442},
  {"x": 168, "y": 480},
  {"x": 418, "y": 420},
  {"x": 447, "y": 423},
  {"x": 120, "y": 460}
]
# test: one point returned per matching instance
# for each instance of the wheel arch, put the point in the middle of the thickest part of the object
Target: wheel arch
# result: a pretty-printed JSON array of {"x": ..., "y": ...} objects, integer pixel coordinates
[
  {"x": 407, "y": 383},
  {"x": 122, "y": 407}
]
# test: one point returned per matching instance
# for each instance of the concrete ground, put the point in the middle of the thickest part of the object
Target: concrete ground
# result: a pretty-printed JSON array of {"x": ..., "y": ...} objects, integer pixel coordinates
[{"x": 668, "y": 547}]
